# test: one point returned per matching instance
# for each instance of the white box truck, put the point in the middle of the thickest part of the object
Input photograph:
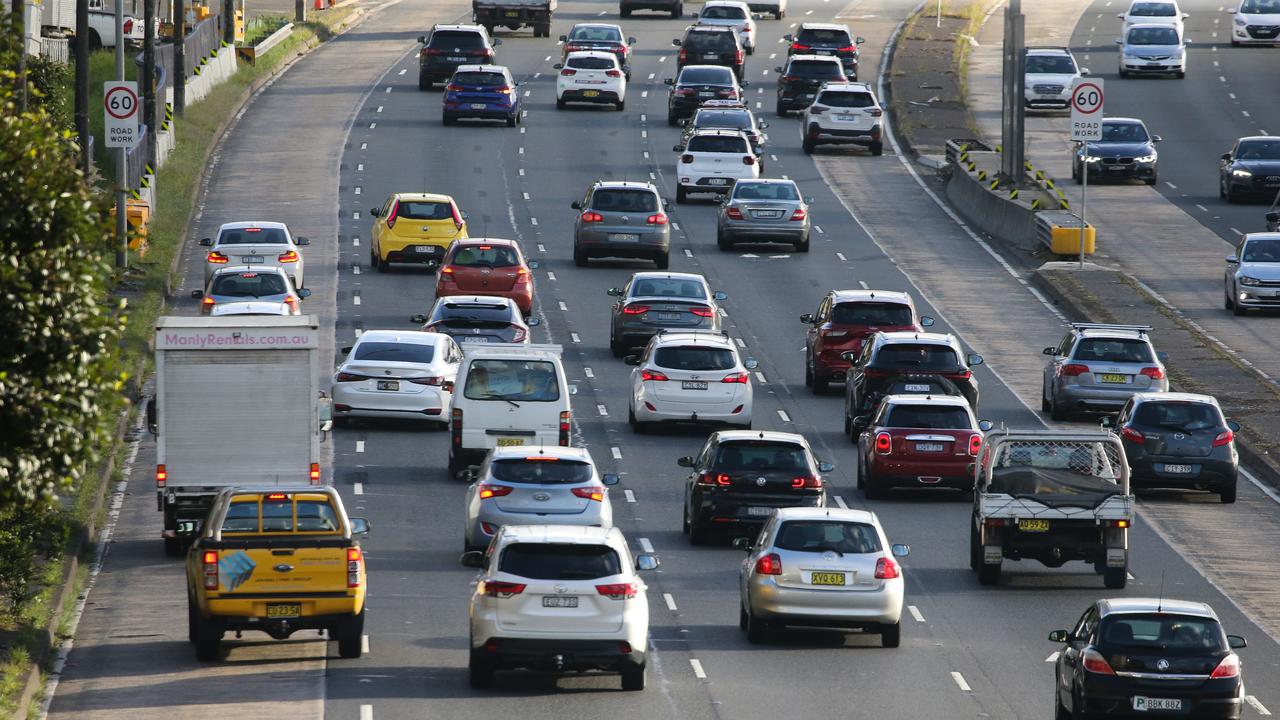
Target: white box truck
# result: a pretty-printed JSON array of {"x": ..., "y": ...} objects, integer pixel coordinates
[{"x": 237, "y": 402}]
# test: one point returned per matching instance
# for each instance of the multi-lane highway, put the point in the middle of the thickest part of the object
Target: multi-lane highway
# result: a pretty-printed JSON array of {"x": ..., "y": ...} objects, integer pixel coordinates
[{"x": 967, "y": 651}]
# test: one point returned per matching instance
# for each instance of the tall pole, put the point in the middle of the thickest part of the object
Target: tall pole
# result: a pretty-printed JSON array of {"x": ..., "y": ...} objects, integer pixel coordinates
[
  {"x": 179, "y": 56},
  {"x": 229, "y": 22},
  {"x": 149, "y": 81},
  {"x": 1012, "y": 115},
  {"x": 1084, "y": 198},
  {"x": 122, "y": 155},
  {"x": 82, "y": 82}
]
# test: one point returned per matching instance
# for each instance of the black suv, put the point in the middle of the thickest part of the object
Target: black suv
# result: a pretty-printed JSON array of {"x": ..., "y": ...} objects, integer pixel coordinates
[
  {"x": 803, "y": 76},
  {"x": 740, "y": 476},
  {"x": 711, "y": 45},
  {"x": 887, "y": 356},
  {"x": 675, "y": 7},
  {"x": 698, "y": 84},
  {"x": 449, "y": 46},
  {"x": 827, "y": 39}
]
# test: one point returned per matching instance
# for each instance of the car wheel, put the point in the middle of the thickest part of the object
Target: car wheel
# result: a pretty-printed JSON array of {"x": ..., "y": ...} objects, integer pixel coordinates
[
  {"x": 820, "y": 385},
  {"x": 891, "y": 635},
  {"x": 723, "y": 241},
  {"x": 1230, "y": 194},
  {"x": 456, "y": 464},
  {"x": 382, "y": 264},
  {"x": 621, "y": 105},
  {"x": 1124, "y": 74},
  {"x": 1153, "y": 179},
  {"x": 803, "y": 245},
  {"x": 580, "y": 257},
  {"x": 988, "y": 574},
  {"x": 1060, "y": 711},
  {"x": 1057, "y": 412},
  {"x": 779, "y": 110},
  {"x": 1044, "y": 401},
  {"x": 511, "y": 121},
  {"x": 757, "y": 630},
  {"x": 193, "y": 618},
  {"x": 1181, "y": 74},
  {"x": 1227, "y": 302},
  {"x": 208, "y": 640},
  {"x": 1227, "y": 493},
  {"x": 684, "y": 519},
  {"x": 877, "y": 149},
  {"x": 625, "y": 12},
  {"x": 615, "y": 348},
  {"x": 445, "y": 119},
  {"x": 1237, "y": 309},
  {"x": 423, "y": 82},
  {"x": 780, "y": 14},
  {"x": 808, "y": 146},
  {"x": 1222, "y": 187},
  {"x": 637, "y": 427},
  {"x": 671, "y": 118},
  {"x": 662, "y": 261},
  {"x": 742, "y": 617},
  {"x": 677, "y": 12},
  {"x": 870, "y": 486},
  {"x": 975, "y": 547},
  {"x": 633, "y": 677},
  {"x": 173, "y": 547},
  {"x": 479, "y": 672},
  {"x": 350, "y": 636},
  {"x": 697, "y": 532},
  {"x": 808, "y": 373},
  {"x": 560, "y": 104},
  {"x": 1114, "y": 578},
  {"x": 681, "y": 195}
]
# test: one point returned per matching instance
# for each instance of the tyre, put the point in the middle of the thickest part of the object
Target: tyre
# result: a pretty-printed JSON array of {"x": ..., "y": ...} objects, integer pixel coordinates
[
  {"x": 445, "y": 119},
  {"x": 95, "y": 41},
  {"x": 808, "y": 146},
  {"x": 891, "y": 635},
  {"x": 1060, "y": 711},
  {"x": 780, "y": 14},
  {"x": 779, "y": 110},
  {"x": 821, "y": 386},
  {"x": 757, "y": 630},
  {"x": 625, "y": 12},
  {"x": 742, "y": 617},
  {"x": 1180, "y": 74},
  {"x": 350, "y": 636},
  {"x": 681, "y": 195},
  {"x": 640, "y": 428},
  {"x": 871, "y": 487},
  {"x": 723, "y": 242},
  {"x": 633, "y": 677},
  {"x": 1114, "y": 578},
  {"x": 479, "y": 673},
  {"x": 1227, "y": 493},
  {"x": 988, "y": 574},
  {"x": 456, "y": 464},
  {"x": 677, "y": 12},
  {"x": 697, "y": 532},
  {"x": 622, "y": 105},
  {"x": 1230, "y": 194},
  {"x": 751, "y": 50},
  {"x": 208, "y": 640},
  {"x": 423, "y": 82},
  {"x": 1222, "y": 187},
  {"x": 1057, "y": 412},
  {"x": 1153, "y": 179},
  {"x": 173, "y": 547},
  {"x": 511, "y": 121},
  {"x": 808, "y": 382},
  {"x": 580, "y": 257},
  {"x": 1227, "y": 302},
  {"x": 560, "y": 104},
  {"x": 663, "y": 261},
  {"x": 1124, "y": 74},
  {"x": 193, "y": 618},
  {"x": 877, "y": 148},
  {"x": 1044, "y": 402},
  {"x": 1237, "y": 309},
  {"x": 975, "y": 547},
  {"x": 803, "y": 245},
  {"x": 615, "y": 348},
  {"x": 671, "y": 119}
]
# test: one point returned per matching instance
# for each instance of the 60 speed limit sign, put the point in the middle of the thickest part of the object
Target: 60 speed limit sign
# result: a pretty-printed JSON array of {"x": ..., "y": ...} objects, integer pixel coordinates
[
  {"x": 1086, "y": 109},
  {"x": 120, "y": 114}
]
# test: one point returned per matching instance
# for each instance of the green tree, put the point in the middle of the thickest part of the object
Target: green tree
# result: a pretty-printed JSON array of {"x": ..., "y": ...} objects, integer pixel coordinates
[{"x": 58, "y": 331}]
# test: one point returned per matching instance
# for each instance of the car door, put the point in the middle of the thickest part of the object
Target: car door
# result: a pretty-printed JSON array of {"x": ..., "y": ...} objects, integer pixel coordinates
[
  {"x": 1069, "y": 659},
  {"x": 1060, "y": 353},
  {"x": 616, "y": 310},
  {"x": 380, "y": 225},
  {"x": 820, "y": 318},
  {"x": 854, "y": 381}
]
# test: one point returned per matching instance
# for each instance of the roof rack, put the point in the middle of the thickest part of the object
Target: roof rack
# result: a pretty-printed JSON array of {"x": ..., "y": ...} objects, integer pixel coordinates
[
  {"x": 1140, "y": 329},
  {"x": 693, "y": 331}
]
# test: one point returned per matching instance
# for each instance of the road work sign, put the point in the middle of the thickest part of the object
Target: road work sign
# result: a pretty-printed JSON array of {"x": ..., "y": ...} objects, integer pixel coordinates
[
  {"x": 1086, "y": 109},
  {"x": 120, "y": 114}
]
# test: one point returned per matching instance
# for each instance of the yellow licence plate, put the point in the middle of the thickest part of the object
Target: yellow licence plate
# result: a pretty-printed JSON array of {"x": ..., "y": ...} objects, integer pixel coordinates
[
  {"x": 1121, "y": 379},
  {"x": 510, "y": 442},
  {"x": 590, "y": 93},
  {"x": 284, "y": 610},
  {"x": 827, "y": 578},
  {"x": 1033, "y": 525}
]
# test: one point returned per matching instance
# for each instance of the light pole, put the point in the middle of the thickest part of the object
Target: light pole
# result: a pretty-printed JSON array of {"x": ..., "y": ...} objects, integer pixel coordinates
[{"x": 122, "y": 155}]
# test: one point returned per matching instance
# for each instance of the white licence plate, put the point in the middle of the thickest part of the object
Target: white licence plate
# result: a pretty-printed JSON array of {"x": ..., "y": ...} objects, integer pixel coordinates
[
  {"x": 392, "y": 385},
  {"x": 719, "y": 181},
  {"x": 759, "y": 511},
  {"x": 1180, "y": 469},
  {"x": 693, "y": 384},
  {"x": 768, "y": 214},
  {"x": 1143, "y": 704},
  {"x": 473, "y": 339},
  {"x": 624, "y": 237},
  {"x": 477, "y": 106},
  {"x": 930, "y": 447},
  {"x": 456, "y": 59},
  {"x": 711, "y": 57},
  {"x": 845, "y": 118},
  {"x": 706, "y": 94},
  {"x": 423, "y": 248},
  {"x": 251, "y": 259},
  {"x": 569, "y": 601},
  {"x": 913, "y": 387},
  {"x": 668, "y": 316}
]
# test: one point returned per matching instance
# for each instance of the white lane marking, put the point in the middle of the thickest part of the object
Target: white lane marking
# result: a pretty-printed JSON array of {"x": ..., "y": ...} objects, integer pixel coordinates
[
  {"x": 524, "y": 195},
  {"x": 782, "y": 414},
  {"x": 521, "y": 172},
  {"x": 688, "y": 252},
  {"x": 1171, "y": 185},
  {"x": 548, "y": 58},
  {"x": 863, "y": 284},
  {"x": 355, "y": 299},
  {"x": 629, "y": 495},
  {"x": 652, "y": 176},
  {"x": 521, "y": 151},
  {"x": 357, "y": 488},
  {"x": 671, "y": 602},
  {"x": 379, "y": 109},
  {"x": 359, "y": 446},
  {"x": 1231, "y": 95},
  {"x": 644, "y": 93},
  {"x": 551, "y": 275},
  {"x": 366, "y": 712},
  {"x": 1215, "y": 64},
  {"x": 616, "y": 452},
  {"x": 1262, "y": 709},
  {"x": 1245, "y": 113},
  {"x": 355, "y": 240},
  {"x": 373, "y": 125},
  {"x": 1222, "y": 78},
  {"x": 355, "y": 269},
  {"x": 574, "y": 337},
  {"x": 563, "y": 306},
  {"x": 358, "y": 191},
  {"x": 359, "y": 332},
  {"x": 646, "y": 154},
  {"x": 644, "y": 133},
  {"x": 819, "y": 229},
  {"x": 964, "y": 686},
  {"x": 698, "y": 672},
  {"x": 1129, "y": 576},
  {"x": 915, "y": 613},
  {"x": 600, "y": 408},
  {"x": 364, "y": 644},
  {"x": 723, "y": 313},
  {"x": 1236, "y": 231},
  {"x": 740, "y": 343},
  {"x": 662, "y": 59},
  {"x": 760, "y": 378},
  {"x": 537, "y": 75},
  {"x": 364, "y": 146},
  {"x": 773, "y": 157},
  {"x": 403, "y": 71},
  {"x": 588, "y": 372},
  {"x": 526, "y": 93},
  {"x": 533, "y": 221},
  {"x": 773, "y": 55},
  {"x": 360, "y": 167},
  {"x": 542, "y": 248},
  {"x": 651, "y": 75},
  {"x": 840, "y": 501},
  {"x": 643, "y": 117},
  {"x": 674, "y": 225},
  {"x": 645, "y": 545},
  {"x": 842, "y": 257},
  {"x": 764, "y": 72},
  {"x": 355, "y": 215},
  {"x": 1053, "y": 657},
  {"x": 1202, "y": 208}
]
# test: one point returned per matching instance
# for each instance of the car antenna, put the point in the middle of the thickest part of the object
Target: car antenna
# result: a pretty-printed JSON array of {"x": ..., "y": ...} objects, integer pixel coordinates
[{"x": 1160, "y": 597}]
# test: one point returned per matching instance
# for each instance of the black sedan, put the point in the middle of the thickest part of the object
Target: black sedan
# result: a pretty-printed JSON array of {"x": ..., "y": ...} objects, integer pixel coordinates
[
  {"x": 655, "y": 301},
  {"x": 696, "y": 85},
  {"x": 1127, "y": 151},
  {"x": 1179, "y": 440},
  {"x": 1251, "y": 171}
]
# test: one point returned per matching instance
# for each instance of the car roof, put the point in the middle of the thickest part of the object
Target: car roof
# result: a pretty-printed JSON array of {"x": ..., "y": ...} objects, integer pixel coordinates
[
  {"x": 630, "y": 184},
  {"x": 610, "y": 26},
  {"x": 475, "y": 300},
  {"x": 1048, "y": 51},
  {"x": 668, "y": 276},
  {"x": 823, "y": 26},
  {"x": 523, "y": 451},
  {"x": 482, "y": 68},
  {"x": 1256, "y": 137},
  {"x": 710, "y": 29},
  {"x": 910, "y": 336},
  {"x": 766, "y": 435},
  {"x": 603, "y": 54},
  {"x": 871, "y": 296},
  {"x": 723, "y": 105},
  {"x": 1122, "y": 121},
  {"x": 252, "y": 224},
  {"x": 714, "y": 3},
  {"x": 847, "y": 85},
  {"x": 421, "y": 197},
  {"x": 1115, "y": 333},
  {"x": 950, "y": 400},
  {"x": 810, "y": 56},
  {"x": 722, "y": 68},
  {"x": 1111, "y": 606},
  {"x": 686, "y": 337},
  {"x": 1175, "y": 397},
  {"x": 817, "y": 513},
  {"x": 764, "y": 181},
  {"x": 412, "y": 337},
  {"x": 1262, "y": 236},
  {"x": 560, "y": 534}
]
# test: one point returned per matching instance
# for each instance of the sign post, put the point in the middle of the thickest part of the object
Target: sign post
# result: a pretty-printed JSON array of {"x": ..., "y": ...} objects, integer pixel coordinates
[
  {"x": 1086, "y": 126},
  {"x": 121, "y": 111}
]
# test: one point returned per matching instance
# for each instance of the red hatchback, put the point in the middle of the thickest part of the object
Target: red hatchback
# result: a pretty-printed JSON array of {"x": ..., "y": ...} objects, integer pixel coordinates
[
  {"x": 487, "y": 266},
  {"x": 844, "y": 319},
  {"x": 914, "y": 441}
]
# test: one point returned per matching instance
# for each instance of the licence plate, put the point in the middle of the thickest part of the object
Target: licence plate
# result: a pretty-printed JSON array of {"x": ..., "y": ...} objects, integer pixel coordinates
[
  {"x": 590, "y": 93},
  {"x": 477, "y": 106},
  {"x": 824, "y": 52},
  {"x": 1030, "y": 525},
  {"x": 845, "y": 118},
  {"x": 668, "y": 316},
  {"x": 473, "y": 339},
  {"x": 759, "y": 511},
  {"x": 570, "y": 601},
  {"x": 706, "y": 94},
  {"x": 693, "y": 384},
  {"x": 424, "y": 248},
  {"x": 768, "y": 214},
  {"x": 284, "y": 610},
  {"x": 711, "y": 56},
  {"x": 389, "y": 385},
  {"x": 1179, "y": 469},
  {"x": 827, "y": 578},
  {"x": 624, "y": 237},
  {"x": 251, "y": 259},
  {"x": 1119, "y": 379},
  {"x": 513, "y": 13},
  {"x": 915, "y": 387},
  {"x": 1116, "y": 168},
  {"x": 930, "y": 447},
  {"x": 510, "y": 442},
  {"x": 719, "y": 181},
  {"x": 1143, "y": 704},
  {"x": 456, "y": 59}
]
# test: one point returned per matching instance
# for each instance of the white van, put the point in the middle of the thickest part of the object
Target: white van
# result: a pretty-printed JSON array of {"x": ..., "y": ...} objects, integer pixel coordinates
[{"x": 507, "y": 395}]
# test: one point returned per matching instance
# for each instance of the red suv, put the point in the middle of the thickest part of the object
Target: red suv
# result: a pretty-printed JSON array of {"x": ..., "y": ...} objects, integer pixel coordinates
[
  {"x": 844, "y": 319},
  {"x": 487, "y": 266},
  {"x": 914, "y": 441}
]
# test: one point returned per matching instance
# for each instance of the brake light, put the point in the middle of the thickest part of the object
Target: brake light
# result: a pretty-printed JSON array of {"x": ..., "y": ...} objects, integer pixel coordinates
[
  {"x": 635, "y": 309},
  {"x": 314, "y": 473},
  {"x": 519, "y": 335},
  {"x": 349, "y": 377},
  {"x": 217, "y": 258},
  {"x": 522, "y": 275},
  {"x": 816, "y": 109},
  {"x": 656, "y": 219},
  {"x": 728, "y": 92},
  {"x": 292, "y": 302},
  {"x": 353, "y": 567},
  {"x": 741, "y": 378},
  {"x": 391, "y": 216},
  {"x": 769, "y": 564},
  {"x": 682, "y": 92},
  {"x": 873, "y": 373},
  {"x": 492, "y": 491},
  {"x": 975, "y": 442},
  {"x": 1073, "y": 369},
  {"x": 875, "y": 112},
  {"x": 799, "y": 214},
  {"x": 453, "y": 87},
  {"x": 887, "y": 569},
  {"x": 612, "y": 73},
  {"x": 1224, "y": 438},
  {"x": 162, "y": 475},
  {"x": 568, "y": 72},
  {"x": 847, "y": 49},
  {"x": 723, "y": 479},
  {"x": 618, "y": 591},
  {"x": 128, "y": 26},
  {"x": 458, "y": 222},
  {"x": 210, "y": 569},
  {"x": 206, "y": 305},
  {"x": 592, "y": 216},
  {"x": 797, "y": 47},
  {"x": 592, "y": 492},
  {"x": 653, "y": 375},
  {"x": 428, "y": 380},
  {"x": 748, "y": 159},
  {"x": 686, "y": 158},
  {"x": 884, "y": 443},
  {"x": 702, "y": 311},
  {"x": 962, "y": 375},
  {"x": 806, "y": 482},
  {"x": 1095, "y": 663},
  {"x": 1228, "y": 668},
  {"x": 684, "y": 55},
  {"x": 574, "y": 48},
  {"x": 566, "y": 418},
  {"x": 1154, "y": 373},
  {"x": 500, "y": 589},
  {"x": 829, "y": 333},
  {"x": 733, "y": 213},
  {"x": 1132, "y": 435},
  {"x": 446, "y": 273},
  {"x": 738, "y": 59},
  {"x": 456, "y": 434},
  {"x": 288, "y": 257}
]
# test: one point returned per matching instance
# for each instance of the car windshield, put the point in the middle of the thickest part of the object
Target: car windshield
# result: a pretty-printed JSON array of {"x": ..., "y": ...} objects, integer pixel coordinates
[
  {"x": 1173, "y": 415},
  {"x": 485, "y": 256},
  {"x": 1162, "y": 633},
  {"x": 694, "y": 358},
  {"x": 1259, "y": 150},
  {"x": 872, "y": 313},
  {"x": 757, "y": 455},
  {"x": 449, "y": 39},
  {"x": 827, "y": 536},
  {"x": 1153, "y": 36},
  {"x": 1123, "y": 132},
  {"x": 497, "y": 379},
  {"x": 479, "y": 79},
  {"x": 1050, "y": 64},
  {"x": 612, "y": 200},
  {"x": 423, "y": 210},
  {"x": 1116, "y": 350},
  {"x": 1261, "y": 251},
  {"x": 704, "y": 40},
  {"x": 540, "y": 470},
  {"x": 723, "y": 12},
  {"x": 462, "y": 313},
  {"x": 846, "y": 99},
  {"x": 596, "y": 34},
  {"x": 765, "y": 191},
  {"x": 732, "y": 119},
  {"x": 253, "y": 236},
  {"x": 932, "y": 417},
  {"x": 717, "y": 143},
  {"x": 401, "y": 352},
  {"x": 248, "y": 284},
  {"x": 592, "y": 62},
  {"x": 1153, "y": 9},
  {"x": 706, "y": 76},
  {"x": 815, "y": 69},
  {"x": 538, "y": 561},
  {"x": 815, "y": 36},
  {"x": 917, "y": 357},
  {"x": 1260, "y": 7},
  {"x": 668, "y": 287}
]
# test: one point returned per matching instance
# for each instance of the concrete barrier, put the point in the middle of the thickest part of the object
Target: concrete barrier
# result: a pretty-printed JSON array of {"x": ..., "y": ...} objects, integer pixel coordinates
[
  {"x": 210, "y": 73},
  {"x": 993, "y": 212}
]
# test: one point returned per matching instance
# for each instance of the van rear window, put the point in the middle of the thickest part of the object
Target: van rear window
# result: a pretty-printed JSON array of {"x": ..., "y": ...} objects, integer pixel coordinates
[{"x": 512, "y": 380}]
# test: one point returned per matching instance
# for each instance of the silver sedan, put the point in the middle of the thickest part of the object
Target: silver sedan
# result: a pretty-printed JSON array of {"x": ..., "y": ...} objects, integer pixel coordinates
[{"x": 764, "y": 211}]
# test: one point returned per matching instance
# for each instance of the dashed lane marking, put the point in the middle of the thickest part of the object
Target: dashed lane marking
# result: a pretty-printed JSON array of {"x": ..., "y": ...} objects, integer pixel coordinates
[
  {"x": 359, "y": 446},
  {"x": 645, "y": 545},
  {"x": 373, "y": 125},
  {"x": 357, "y": 488},
  {"x": 863, "y": 284},
  {"x": 698, "y": 672},
  {"x": 1171, "y": 185},
  {"x": 671, "y": 602},
  {"x": 364, "y": 644},
  {"x": 629, "y": 495},
  {"x": 819, "y": 229},
  {"x": 1253, "y": 701},
  {"x": 588, "y": 372},
  {"x": 782, "y": 414},
  {"x": 616, "y": 452},
  {"x": 403, "y": 71},
  {"x": 840, "y": 501},
  {"x": 740, "y": 343},
  {"x": 355, "y": 269},
  {"x": 1053, "y": 657},
  {"x": 688, "y": 252},
  {"x": 644, "y": 93},
  {"x": 1202, "y": 208},
  {"x": 915, "y": 613},
  {"x": 674, "y": 225},
  {"x": 533, "y": 221},
  {"x": 542, "y": 248},
  {"x": 379, "y": 109},
  {"x": 358, "y": 190},
  {"x": 360, "y": 167},
  {"x": 600, "y": 408},
  {"x": 355, "y": 215},
  {"x": 842, "y": 257},
  {"x": 355, "y": 240},
  {"x": 964, "y": 686},
  {"x": 521, "y": 171},
  {"x": 760, "y": 378},
  {"x": 355, "y": 299},
  {"x": 364, "y": 146},
  {"x": 574, "y": 337},
  {"x": 551, "y": 275},
  {"x": 563, "y": 306}
]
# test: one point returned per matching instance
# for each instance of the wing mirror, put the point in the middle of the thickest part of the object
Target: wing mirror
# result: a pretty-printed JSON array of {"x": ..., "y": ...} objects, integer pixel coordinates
[
  {"x": 534, "y": 264},
  {"x": 826, "y": 467},
  {"x": 926, "y": 321},
  {"x": 422, "y": 39},
  {"x": 302, "y": 241},
  {"x": 1233, "y": 260},
  {"x": 1162, "y": 356},
  {"x": 720, "y": 295},
  {"x": 744, "y": 84},
  {"x": 777, "y": 69},
  {"x": 788, "y": 37},
  {"x": 1084, "y": 72},
  {"x": 1050, "y": 351},
  {"x": 677, "y": 148},
  {"x": 974, "y": 359},
  {"x": 751, "y": 363},
  {"x": 685, "y": 461},
  {"x": 497, "y": 42},
  {"x": 849, "y": 355},
  {"x": 631, "y": 360},
  {"x": 1060, "y": 636},
  {"x": 304, "y": 293},
  {"x": 558, "y": 66},
  {"x": 610, "y": 479},
  {"x": 472, "y": 559},
  {"x": 861, "y": 422},
  {"x": 197, "y": 294},
  {"x": 676, "y": 42},
  {"x": 1156, "y": 139},
  {"x": 742, "y": 543},
  {"x": 1236, "y": 642},
  {"x": 1106, "y": 422},
  {"x": 1226, "y": 156},
  {"x": 346, "y": 350},
  {"x": 564, "y": 38},
  {"x": 420, "y": 319},
  {"x": 1272, "y": 217},
  {"x": 1120, "y": 15},
  {"x": 900, "y": 550},
  {"x": 646, "y": 563},
  {"x": 576, "y": 204},
  {"x": 533, "y": 321},
  {"x": 206, "y": 242},
  {"x": 806, "y": 318},
  {"x": 375, "y": 212},
  {"x": 668, "y": 81},
  {"x": 613, "y": 292},
  {"x": 631, "y": 41},
  {"x": 985, "y": 425},
  {"x": 447, "y": 386},
  {"x": 1233, "y": 425},
  {"x": 359, "y": 526},
  {"x": 765, "y": 126},
  {"x": 859, "y": 40},
  {"x": 1119, "y": 41}
]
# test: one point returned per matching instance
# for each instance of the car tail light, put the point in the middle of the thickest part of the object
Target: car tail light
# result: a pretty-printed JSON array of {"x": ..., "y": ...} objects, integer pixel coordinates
[
  {"x": 872, "y": 373},
  {"x": 1073, "y": 370},
  {"x": 206, "y": 305},
  {"x": 748, "y": 159},
  {"x": 128, "y": 26},
  {"x": 741, "y": 378},
  {"x": 428, "y": 380},
  {"x": 446, "y": 273},
  {"x": 432, "y": 51},
  {"x": 847, "y": 49},
  {"x": 1095, "y": 663},
  {"x": 566, "y": 420},
  {"x": 653, "y": 375},
  {"x": 571, "y": 47},
  {"x": 458, "y": 222},
  {"x": 492, "y": 491},
  {"x": 500, "y": 589},
  {"x": 349, "y": 377},
  {"x": 217, "y": 258},
  {"x": 162, "y": 475},
  {"x": 723, "y": 479},
  {"x": 210, "y": 569},
  {"x": 884, "y": 443},
  {"x": 313, "y": 473},
  {"x": 799, "y": 214},
  {"x": 353, "y": 567},
  {"x": 829, "y": 333},
  {"x": 618, "y": 591},
  {"x": 702, "y": 311},
  {"x": 453, "y": 87},
  {"x": 635, "y": 309},
  {"x": 738, "y": 58},
  {"x": 728, "y": 92},
  {"x": 683, "y": 92},
  {"x": 522, "y": 275},
  {"x": 1224, "y": 438},
  {"x": 591, "y": 216},
  {"x": 797, "y": 47},
  {"x": 519, "y": 335},
  {"x": 962, "y": 375},
  {"x": 975, "y": 442},
  {"x": 769, "y": 564},
  {"x": 1117, "y": 523},
  {"x": 612, "y": 73},
  {"x": 592, "y": 492},
  {"x": 656, "y": 219},
  {"x": 1154, "y": 373},
  {"x": 456, "y": 428},
  {"x": 1228, "y": 668},
  {"x": 887, "y": 569},
  {"x": 816, "y": 109},
  {"x": 288, "y": 257},
  {"x": 746, "y": 31},
  {"x": 1132, "y": 435},
  {"x": 684, "y": 55},
  {"x": 806, "y": 482},
  {"x": 391, "y": 216},
  {"x": 733, "y": 213},
  {"x": 686, "y": 158},
  {"x": 292, "y": 302},
  {"x": 874, "y": 112}
]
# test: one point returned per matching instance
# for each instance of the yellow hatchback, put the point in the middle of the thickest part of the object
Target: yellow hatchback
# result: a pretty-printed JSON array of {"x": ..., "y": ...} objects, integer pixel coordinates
[{"x": 415, "y": 228}]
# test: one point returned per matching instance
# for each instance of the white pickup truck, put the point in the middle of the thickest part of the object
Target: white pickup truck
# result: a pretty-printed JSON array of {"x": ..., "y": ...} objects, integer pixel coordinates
[
  {"x": 59, "y": 17},
  {"x": 1053, "y": 497}
]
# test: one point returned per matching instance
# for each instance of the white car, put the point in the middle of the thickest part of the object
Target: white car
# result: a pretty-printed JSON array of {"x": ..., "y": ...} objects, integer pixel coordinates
[
  {"x": 260, "y": 244},
  {"x": 591, "y": 76},
  {"x": 731, "y": 13},
  {"x": 1152, "y": 50},
  {"x": 845, "y": 113},
  {"x": 1050, "y": 71},
  {"x": 824, "y": 567},
  {"x": 690, "y": 377},
  {"x": 561, "y": 598},
  {"x": 1153, "y": 12},
  {"x": 777, "y": 8},
  {"x": 712, "y": 160},
  {"x": 1256, "y": 22},
  {"x": 401, "y": 374}
]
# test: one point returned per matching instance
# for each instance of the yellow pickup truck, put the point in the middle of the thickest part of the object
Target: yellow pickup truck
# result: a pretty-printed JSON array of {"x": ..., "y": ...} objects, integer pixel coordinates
[{"x": 277, "y": 560}]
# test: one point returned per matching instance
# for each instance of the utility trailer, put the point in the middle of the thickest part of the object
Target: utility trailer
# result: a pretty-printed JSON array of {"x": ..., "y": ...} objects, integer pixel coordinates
[{"x": 514, "y": 14}]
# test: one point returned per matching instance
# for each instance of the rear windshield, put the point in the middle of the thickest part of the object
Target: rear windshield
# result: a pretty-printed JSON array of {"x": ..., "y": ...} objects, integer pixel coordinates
[
  {"x": 706, "y": 76},
  {"x": 814, "y": 36},
  {"x": 485, "y": 256},
  {"x": 1262, "y": 251},
  {"x": 668, "y": 287},
  {"x": 760, "y": 455},
  {"x": 592, "y": 63},
  {"x": 917, "y": 357},
  {"x": 596, "y": 34},
  {"x": 394, "y": 352},
  {"x": 455, "y": 39},
  {"x": 248, "y": 284},
  {"x": 827, "y": 536},
  {"x": 717, "y": 143},
  {"x": 765, "y": 191},
  {"x": 816, "y": 69},
  {"x": 1113, "y": 350},
  {"x": 482, "y": 79},
  {"x": 559, "y": 562},
  {"x": 1183, "y": 416},
  {"x": 846, "y": 99},
  {"x": 1162, "y": 634},
  {"x": 723, "y": 12},
  {"x": 540, "y": 470},
  {"x": 732, "y": 119},
  {"x": 609, "y": 200},
  {"x": 1050, "y": 64},
  {"x": 280, "y": 516},
  {"x": 1153, "y": 36},
  {"x": 1259, "y": 150},
  {"x": 694, "y": 358},
  {"x": 253, "y": 236},
  {"x": 1152, "y": 9},
  {"x": 930, "y": 417},
  {"x": 515, "y": 380},
  {"x": 709, "y": 40},
  {"x": 459, "y": 315},
  {"x": 424, "y": 210},
  {"x": 871, "y": 313}
]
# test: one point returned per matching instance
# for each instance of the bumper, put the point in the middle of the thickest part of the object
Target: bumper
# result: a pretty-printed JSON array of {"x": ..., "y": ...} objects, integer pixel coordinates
[
  {"x": 630, "y": 336},
  {"x": 560, "y": 655},
  {"x": 733, "y": 510},
  {"x": 1253, "y": 297},
  {"x": 649, "y": 4},
  {"x": 797, "y": 100},
  {"x": 1046, "y": 102},
  {"x": 595, "y": 516},
  {"x": 791, "y": 232},
  {"x": 828, "y": 364},
  {"x": 1249, "y": 189},
  {"x": 693, "y": 183},
  {"x": 841, "y": 136},
  {"x": 437, "y": 72},
  {"x": 826, "y": 607},
  {"x": 421, "y": 254},
  {"x": 1114, "y": 696},
  {"x": 648, "y": 244},
  {"x": 476, "y": 443},
  {"x": 1142, "y": 68},
  {"x": 522, "y": 298},
  {"x": 733, "y": 412},
  {"x": 317, "y": 614},
  {"x": 1206, "y": 473},
  {"x": 1082, "y": 397},
  {"x": 429, "y": 404},
  {"x": 684, "y": 107},
  {"x": 1119, "y": 171},
  {"x": 1064, "y": 541},
  {"x": 948, "y": 473},
  {"x": 1242, "y": 36},
  {"x": 601, "y": 96},
  {"x": 488, "y": 112}
]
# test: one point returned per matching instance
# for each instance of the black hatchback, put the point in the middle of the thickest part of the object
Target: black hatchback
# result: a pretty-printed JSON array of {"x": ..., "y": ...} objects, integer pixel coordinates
[
  {"x": 1179, "y": 440},
  {"x": 887, "y": 358},
  {"x": 711, "y": 45},
  {"x": 450, "y": 46}
]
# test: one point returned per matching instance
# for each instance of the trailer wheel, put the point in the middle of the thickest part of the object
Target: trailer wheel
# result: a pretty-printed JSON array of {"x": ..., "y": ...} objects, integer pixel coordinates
[{"x": 1114, "y": 578}]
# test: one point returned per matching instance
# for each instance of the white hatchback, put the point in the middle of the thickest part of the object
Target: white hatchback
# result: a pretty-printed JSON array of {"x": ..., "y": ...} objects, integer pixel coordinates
[
  {"x": 559, "y": 598},
  {"x": 734, "y": 14},
  {"x": 1256, "y": 22},
  {"x": 258, "y": 244},
  {"x": 693, "y": 377},
  {"x": 402, "y": 374},
  {"x": 712, "y": 160},
  {"x": 591, "y": 76}
]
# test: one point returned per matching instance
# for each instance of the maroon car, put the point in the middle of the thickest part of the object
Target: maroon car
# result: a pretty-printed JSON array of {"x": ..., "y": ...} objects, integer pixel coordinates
[
  {"x": 844, "y": 319},
  {"x": 918, "y": 441}
]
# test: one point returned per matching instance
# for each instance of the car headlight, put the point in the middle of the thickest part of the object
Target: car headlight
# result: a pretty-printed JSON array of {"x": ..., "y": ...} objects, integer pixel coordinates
[
  {"x": 1246, "y": 280},
  {"x": 1241, "y": 21},
  {"x": 1130, "y": 53},
  {"x": 1241, "y": 173},
  {"x": 1093, "y": 159},
  {"x": 1146, "y": 158}
]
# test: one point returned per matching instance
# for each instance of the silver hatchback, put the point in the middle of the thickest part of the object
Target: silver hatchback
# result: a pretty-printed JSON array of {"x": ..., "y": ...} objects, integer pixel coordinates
[
  {"x": 622, "y": 220},
  {"x": 535, "y": 485},
  {"x": 764, "y": 211},
  {"x": 1099, "y": 367}
]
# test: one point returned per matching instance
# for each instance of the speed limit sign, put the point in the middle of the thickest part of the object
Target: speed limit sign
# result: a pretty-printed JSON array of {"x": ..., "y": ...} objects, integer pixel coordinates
[
  {"x": 1086, "y": 109},
  {"x": 120, "y": 114}
]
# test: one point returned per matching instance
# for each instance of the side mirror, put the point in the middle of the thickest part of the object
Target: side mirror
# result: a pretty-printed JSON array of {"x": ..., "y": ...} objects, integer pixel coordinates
[
  {"x": 153, "y": 423},
  {"x": 206, "y": 242},
  {"x": 646, "y": 562},
  {"x": 197, "y": 294},
  {"x": 750, "y": 363},
  {"x": 302, "y": 241},
  {"x": 1186, "y": 15},
  {"x": 1235, "y": 642},
  {"x": 1106, "y": 422},
  {"x": 788, "y": 37},
  {"x": 497, "y": 42},
  {"x": 375, "y": 212},
  {"x": 826, "y": 467},
  {"x": 576, "y": 204},
  {"x": 667, "y": 203},
  {"x": 533, "y": 322},
  {"x": 685, "y": 123},
  {"x": 777, "y": 69},
  {"x": 1272, "y": 217},
  {"x": 558, "y": 66},
  {"x": 534, "y": 264},
  {"x": 763, "y": 125},
  {"x": 304, "y": 293},
  {"x": 849, "y": 355},
  {"x": 744, "y": 84},
  {"x": 1233, "y": 260},
  {"x": 610, "y": 479},
  {"x": 359, "y": 526},
  {"x": 422, "y": 39},
  {"x": 447, "y": 386},
  {"x": 861, "y": 422},
  {"x": 1050, "y": 351},
  {"x": 564, "y": 38},
  {"x": 631, "y": 41},
  {"x": 926, "y": 321},
  {"x": 974, "y": 359},
  {"x": 720, "y": 295},
  {"x": 346, "y": 350},
  {"x": 677, "y": 148},
  {"x": 742, "y": 543},
  {"x": 1233, "y": 425},
  {"x": 900, "y": 550},
  {"x": 806, "y": 318},
  {"x": 1119, "y": 41},
  {"x": 685, "y": 461},
  {"x": 324, "y": 413},
  {"x": 465, "y": 215},
  {"x": 669, "y": 81},
  {"x": 420, "y": 319},
  {"x": 1059, "y": 636},
  {"x": 985, "y": 425},
  {"x": 676, "y": 42},
  {"x": 859, "y": 40},
  {"x": 1084, "y": 72},
  {"x": 472, "y": 559},
  {"x": 1120, "y": 15},
  {"x": 1226, "y": 156},
  {"x": 631, "y": 360},
  {"x": 1156, "y": 138},
  {"x": 613, "y": 292}
]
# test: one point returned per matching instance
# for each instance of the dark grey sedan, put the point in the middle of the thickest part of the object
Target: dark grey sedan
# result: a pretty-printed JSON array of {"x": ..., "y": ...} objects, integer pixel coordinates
[
  {"x": 622, "y": 220},
  {"x": 655, "y": 301},
  {"x": 764, "y": 211}
]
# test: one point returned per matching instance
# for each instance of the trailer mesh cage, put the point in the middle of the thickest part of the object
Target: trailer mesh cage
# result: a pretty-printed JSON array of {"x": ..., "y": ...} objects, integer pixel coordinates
[{"x": 1055, "y": 472}]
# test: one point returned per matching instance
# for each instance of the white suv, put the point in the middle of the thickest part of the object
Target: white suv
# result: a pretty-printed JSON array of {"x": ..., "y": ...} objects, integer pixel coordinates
[
  {"x": 591, "y": 76},
  {"x": 559, "y": 598},
  {"x": 844, "y": 113},
  {"x": 712, "y": 160},
  {"x": 1050, "y": 71},
  {"x": 690, "y": 377}
]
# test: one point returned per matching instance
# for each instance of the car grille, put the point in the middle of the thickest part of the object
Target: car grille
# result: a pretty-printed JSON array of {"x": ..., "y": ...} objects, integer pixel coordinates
[
  {"x": 1263, "y": 32},
  {"x": 1153, "y": 57},
  {"x": 1267, "y": 284},
  {"x": 1048, "y": 89},
  {"x": 1117, "y": 161}
]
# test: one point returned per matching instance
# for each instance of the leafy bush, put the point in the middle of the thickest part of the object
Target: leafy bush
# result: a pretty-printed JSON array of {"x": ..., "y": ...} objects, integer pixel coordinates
[
  {"x": 28, "y": 537},
  {"x": 49, "y": 77}
]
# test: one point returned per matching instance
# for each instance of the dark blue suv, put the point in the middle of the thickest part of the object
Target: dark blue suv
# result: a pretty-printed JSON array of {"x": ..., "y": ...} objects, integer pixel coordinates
[{"x": 487, "y": 92}]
